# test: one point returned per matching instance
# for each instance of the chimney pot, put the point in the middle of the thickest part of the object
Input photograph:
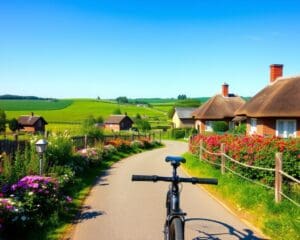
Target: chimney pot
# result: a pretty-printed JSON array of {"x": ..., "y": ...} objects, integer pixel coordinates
[
  {"x": 32, "y": 114},
  {"x": 225, "y": 89},
  {"x": 275, "y": 72}
]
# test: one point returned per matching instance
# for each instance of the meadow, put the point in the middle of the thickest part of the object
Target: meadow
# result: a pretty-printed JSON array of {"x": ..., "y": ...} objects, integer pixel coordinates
[{"x": 69, "y": 114}]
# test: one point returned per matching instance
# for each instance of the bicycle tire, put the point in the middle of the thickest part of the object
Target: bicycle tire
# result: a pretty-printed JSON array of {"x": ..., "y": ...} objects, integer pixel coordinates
[{"x": 176, "y": 229}]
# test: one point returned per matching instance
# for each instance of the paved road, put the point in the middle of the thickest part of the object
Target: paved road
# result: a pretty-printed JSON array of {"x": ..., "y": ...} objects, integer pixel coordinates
[{"x": 118, "y": 209}]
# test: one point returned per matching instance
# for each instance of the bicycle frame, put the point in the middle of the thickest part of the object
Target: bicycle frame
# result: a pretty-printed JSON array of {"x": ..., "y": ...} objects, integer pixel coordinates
[{"x": 173, "y": 203}]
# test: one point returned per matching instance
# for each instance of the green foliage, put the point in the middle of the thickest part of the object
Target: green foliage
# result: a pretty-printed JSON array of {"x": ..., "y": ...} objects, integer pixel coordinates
[
  {"x": 279, "y": 221},
  {"x": 100, "y": 119},
  {"x": 13, "y": 125},
  {"x": 181, "y": 97},
  {"x": 33, "y": 105},
  {"x": 117, "y": 111},
  {"x": 188, "y": 103},
  {"x": 2, "y": 121},
  {"x": 122, "y": 99},
  {"x": 171, "y": 112},
  {"x": 142, "y": 125},
  {"x": 240, "y": 129},
  {"x": 89, "y": 128},
  {"x": 178, "y": 133},
  {"x": 220, "y": 126}
]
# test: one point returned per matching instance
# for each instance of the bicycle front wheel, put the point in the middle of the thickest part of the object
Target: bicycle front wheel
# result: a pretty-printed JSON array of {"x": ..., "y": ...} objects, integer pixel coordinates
[{"x": 176, "y": 229}]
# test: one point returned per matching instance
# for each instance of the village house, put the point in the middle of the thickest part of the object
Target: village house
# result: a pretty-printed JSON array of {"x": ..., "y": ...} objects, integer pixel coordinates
[
  {"x": 118, "y": 122},
  {"x": 220, "y": 107},
  {"x": 275, "y": 110},
  {"x": 182, "y": 117},
  {"x": 32, "y": 124}
]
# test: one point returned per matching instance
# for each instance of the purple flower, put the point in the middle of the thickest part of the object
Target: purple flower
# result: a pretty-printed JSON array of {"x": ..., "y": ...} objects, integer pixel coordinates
[{"x": 69, "y": 199}]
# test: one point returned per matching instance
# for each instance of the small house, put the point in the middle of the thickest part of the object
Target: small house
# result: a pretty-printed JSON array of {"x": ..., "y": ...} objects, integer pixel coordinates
[
  {"x": 220, "y": 107},
  {"x": 183, "y": 118},
  {"x": 32, "y": 124},
  {"x": 275, "y": 110},
  {"x": 118, "y": 123}
]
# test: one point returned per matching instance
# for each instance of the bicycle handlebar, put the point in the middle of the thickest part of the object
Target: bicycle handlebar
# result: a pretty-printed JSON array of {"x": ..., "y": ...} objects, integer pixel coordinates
[{"x": 155, "y": 178}]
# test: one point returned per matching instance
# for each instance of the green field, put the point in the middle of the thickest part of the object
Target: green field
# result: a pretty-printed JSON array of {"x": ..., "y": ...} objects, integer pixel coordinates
[
  {"x": 33, "y": 105},
  {"x": 71, "y": 116}
]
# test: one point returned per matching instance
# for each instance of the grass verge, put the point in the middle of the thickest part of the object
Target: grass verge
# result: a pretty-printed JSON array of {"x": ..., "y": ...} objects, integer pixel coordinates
[{"x": 250, "y": 201}]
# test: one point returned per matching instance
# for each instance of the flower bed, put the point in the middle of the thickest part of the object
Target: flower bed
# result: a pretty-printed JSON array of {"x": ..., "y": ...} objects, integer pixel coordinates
[{"x": 255, "y": 151}]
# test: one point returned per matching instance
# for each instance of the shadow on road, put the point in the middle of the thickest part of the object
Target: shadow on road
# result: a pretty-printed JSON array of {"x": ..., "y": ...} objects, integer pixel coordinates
[
  {"x": 219, "y": 230},
  {"x": 89, "y": 215}
]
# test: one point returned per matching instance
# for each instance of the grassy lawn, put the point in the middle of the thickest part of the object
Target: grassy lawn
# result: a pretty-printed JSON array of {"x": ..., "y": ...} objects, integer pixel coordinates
[{"x": 250, "y": 201}]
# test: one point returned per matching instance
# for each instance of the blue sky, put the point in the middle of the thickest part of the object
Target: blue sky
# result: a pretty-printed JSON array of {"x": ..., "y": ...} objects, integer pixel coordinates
[{"x": 149, "y": 48}]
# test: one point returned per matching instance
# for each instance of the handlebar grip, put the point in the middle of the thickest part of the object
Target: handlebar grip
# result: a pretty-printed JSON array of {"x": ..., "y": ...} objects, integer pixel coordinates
[
  {"x": 152, "y": 178},
  {"x": 212, "y": 181}
]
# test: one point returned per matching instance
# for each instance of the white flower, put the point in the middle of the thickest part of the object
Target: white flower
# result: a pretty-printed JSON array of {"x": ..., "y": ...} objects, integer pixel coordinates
[
  {"x": 23, "y": 218},
  {"x": 30, "y": 193}
]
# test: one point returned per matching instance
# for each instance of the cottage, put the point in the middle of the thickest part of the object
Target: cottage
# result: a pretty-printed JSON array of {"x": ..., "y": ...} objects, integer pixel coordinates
[
  {"x": 118, "y": 122},
  {"x": 182, "y": 117},
  {"x": 32, "y": 124},
  {"x": 220, "y": 107},
  {"x": 275, "y": 110}
]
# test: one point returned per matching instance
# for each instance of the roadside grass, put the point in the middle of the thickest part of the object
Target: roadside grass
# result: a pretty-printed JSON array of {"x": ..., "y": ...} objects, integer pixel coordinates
[{"x": 250, "y": 201}]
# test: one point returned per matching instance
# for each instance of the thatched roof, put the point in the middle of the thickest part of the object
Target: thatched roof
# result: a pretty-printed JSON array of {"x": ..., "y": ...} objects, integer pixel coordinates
[
  {"x": 116, "y": 119},
  {"x": 30, "y": 120},
  {"x": 279, "y": 99},
  {"x": 185, "y": 112},
  {"x": 219, "y": 107}
]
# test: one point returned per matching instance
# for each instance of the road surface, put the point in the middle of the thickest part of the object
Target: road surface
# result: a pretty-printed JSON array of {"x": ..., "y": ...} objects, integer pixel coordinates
[{"x": 118, "y": 209}]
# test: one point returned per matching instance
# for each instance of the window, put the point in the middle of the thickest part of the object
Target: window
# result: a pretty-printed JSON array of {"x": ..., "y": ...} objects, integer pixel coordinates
[
  {"x": 286, "y": 128},
  {"x": 253, "y": 125},
  {"x": 208, "y": 126}
]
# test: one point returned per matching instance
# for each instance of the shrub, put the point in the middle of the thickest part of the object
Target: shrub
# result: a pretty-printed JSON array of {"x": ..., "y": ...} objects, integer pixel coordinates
[
  {"x": 178, "y": 133},
  {"x": 253, "y": 150},
  {"x": 13, "y": 125},
  {"x": 33, "y": 200},
  {"x": 220, "y": 126}
]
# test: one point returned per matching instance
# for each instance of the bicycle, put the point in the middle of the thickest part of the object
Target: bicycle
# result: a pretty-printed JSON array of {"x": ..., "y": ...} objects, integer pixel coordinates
[{"x": 175, "y": 219}]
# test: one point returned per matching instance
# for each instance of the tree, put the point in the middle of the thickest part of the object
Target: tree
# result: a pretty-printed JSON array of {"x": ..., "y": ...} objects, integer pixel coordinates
[
  {"x": 2, "y": 121},
  {"x": 13, "y": 125},
  {"x": 181, "y": 97},
  {"x": 100, "y": 119},
  {"x": 89, "y": 128},
  {"x": 171, "y": 112},
  {"x": 220, "y": 126},
  {"x": 138, "y": 116},
  {"x": 122, "y": 99},
  {"x": 143, "y": 125}
]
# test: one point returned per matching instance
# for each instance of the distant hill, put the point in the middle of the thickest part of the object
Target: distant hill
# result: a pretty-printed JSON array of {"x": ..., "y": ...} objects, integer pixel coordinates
[{"x": 16, "y": 97}]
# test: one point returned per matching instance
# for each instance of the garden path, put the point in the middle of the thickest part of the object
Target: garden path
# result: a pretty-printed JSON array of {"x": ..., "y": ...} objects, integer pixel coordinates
[{"x": 118, "y": 209}]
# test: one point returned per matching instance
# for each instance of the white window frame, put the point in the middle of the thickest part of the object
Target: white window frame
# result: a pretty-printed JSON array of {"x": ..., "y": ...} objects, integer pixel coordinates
[
  {"x": 253, "y": 127},
  {"x": 285, "y": 124}
]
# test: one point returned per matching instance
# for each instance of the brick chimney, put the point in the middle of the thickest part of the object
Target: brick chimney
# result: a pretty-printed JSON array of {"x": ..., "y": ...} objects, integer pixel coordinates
[
  {"x": 225, "y": 89},
  {"x": 275, "y": 72}
]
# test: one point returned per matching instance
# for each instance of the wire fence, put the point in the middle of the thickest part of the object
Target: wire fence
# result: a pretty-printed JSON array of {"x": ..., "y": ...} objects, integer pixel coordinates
[{"x": 277, "y": 170}]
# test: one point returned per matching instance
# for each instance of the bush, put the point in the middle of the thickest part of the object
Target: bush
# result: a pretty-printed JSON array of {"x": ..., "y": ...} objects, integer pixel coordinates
[
  {"x": 33, "y": 200},
  {"x": 253, "y": 150},
  {"x": 178, "y": 133},
  {"x": 220, "y": 126}
]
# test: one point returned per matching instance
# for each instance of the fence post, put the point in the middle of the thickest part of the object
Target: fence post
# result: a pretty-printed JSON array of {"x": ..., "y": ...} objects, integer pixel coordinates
[
  {"x": 222, "y": 158},
  {"x": 278, "y": 176},
  {"x": 200, "y": 150},
  {"x": 85, "y": 141}
]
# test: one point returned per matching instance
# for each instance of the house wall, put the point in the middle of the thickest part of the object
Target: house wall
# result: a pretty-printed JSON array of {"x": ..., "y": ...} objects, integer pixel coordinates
[
  {"x": 39, "y": 126},
  {"x": 176, "y": 121},
  {"x": 28, "y": 129},
  {"x": 200, "y": 126},
  {"x": 267, "y": 126},
  {"x": 112, "y": 127}
]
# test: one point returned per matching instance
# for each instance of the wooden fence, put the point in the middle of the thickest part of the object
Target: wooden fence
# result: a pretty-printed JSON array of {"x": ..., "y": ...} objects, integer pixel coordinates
[{"x": 279, "y": 173}]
